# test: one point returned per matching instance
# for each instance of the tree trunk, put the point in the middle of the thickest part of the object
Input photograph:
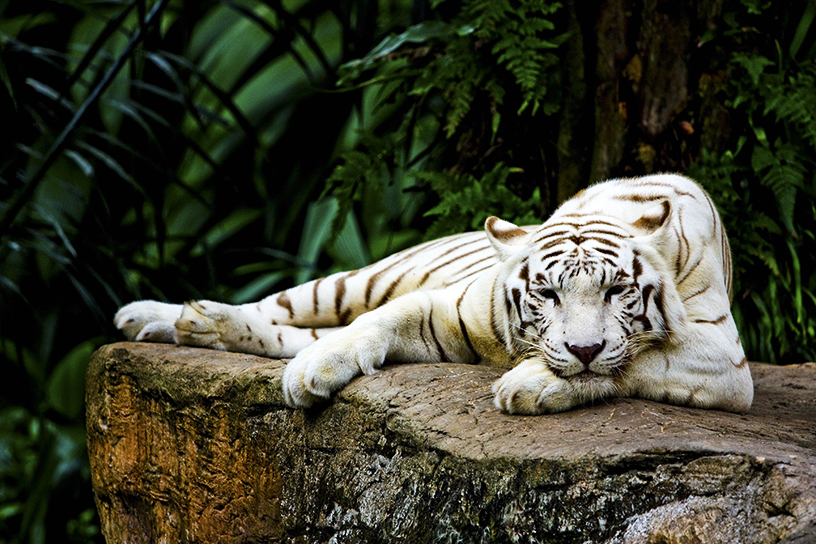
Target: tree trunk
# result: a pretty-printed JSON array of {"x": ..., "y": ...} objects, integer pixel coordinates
[
  {"x": 640, "y": 93},
  {"x": 190, "y": 445}
]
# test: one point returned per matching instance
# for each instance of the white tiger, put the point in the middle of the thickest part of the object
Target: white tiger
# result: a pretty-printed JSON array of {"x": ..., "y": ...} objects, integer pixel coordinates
[{"x": 624, "y": 291}]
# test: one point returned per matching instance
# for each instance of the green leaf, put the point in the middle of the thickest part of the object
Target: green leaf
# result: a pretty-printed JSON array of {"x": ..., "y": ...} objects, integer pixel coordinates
[
  {"x": 83, "y": 163},
  {"x": 257, "y": 288},
  {"x": 419, "y": 33},
  {"x": 65, "y": 389},
  {"x": 784, "y": 180},
  {"x": 802, "y": 29},
  {"x": 349, "y": 248},
  {"x": 51, "y": 94},
  {"x": 109, "y": 161},
  {"x": 226, "y": 228},
  {"x": 54, "y": 222},
  {"x": 762, "y": 158},
  {"x": 7, "y": 82},
  {"x": 753, "y": 64},
  {"x": 316, "y": 233}
]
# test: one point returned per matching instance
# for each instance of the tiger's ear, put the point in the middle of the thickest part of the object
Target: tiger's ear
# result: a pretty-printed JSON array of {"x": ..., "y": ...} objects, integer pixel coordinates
[
  {"x": 506, "y": 238},
  {"x": 654, "y": 218}
]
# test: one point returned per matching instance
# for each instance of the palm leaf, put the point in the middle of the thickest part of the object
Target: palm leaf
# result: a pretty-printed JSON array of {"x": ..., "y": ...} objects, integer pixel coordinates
[{"x": 22, "y": 197}]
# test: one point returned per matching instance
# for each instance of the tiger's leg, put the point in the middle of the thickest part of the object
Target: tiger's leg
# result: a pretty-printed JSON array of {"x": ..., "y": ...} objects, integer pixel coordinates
[
  {"x": 216, "y": 326},
  {"x": 242, "y": 329},
  {"x": 705, "y": 367},
  {"x": 284, "y": 323},
  {"x": 417, "y": 327},
  {"x": 278, "y": 326},
  {"x": 532, "y": 388}
]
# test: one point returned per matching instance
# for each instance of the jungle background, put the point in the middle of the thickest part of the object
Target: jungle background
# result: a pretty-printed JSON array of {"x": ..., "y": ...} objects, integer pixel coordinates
[{"x": 226, "y": 149}]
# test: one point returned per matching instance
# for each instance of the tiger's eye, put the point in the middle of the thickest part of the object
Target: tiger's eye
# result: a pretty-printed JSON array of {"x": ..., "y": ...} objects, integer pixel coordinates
[
  {"x": 548, "y": 293},
  {"x": 612, "y": 291}
]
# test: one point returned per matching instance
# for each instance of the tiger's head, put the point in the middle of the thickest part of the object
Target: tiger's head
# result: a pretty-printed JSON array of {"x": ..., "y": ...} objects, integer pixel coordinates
[{"x": 585, "y": 293}]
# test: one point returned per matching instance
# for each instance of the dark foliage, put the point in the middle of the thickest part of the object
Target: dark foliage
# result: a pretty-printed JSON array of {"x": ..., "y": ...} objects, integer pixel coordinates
[{"x": 225, "y": 149}]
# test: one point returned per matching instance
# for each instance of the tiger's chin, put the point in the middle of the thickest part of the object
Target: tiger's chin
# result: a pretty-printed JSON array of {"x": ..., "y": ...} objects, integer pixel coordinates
[
  {"x": 587, "y": 376},
  {"x": 588, "y": 386},
  {"x": 533, "y": 387},
  {"x": 595, "y": 372}
]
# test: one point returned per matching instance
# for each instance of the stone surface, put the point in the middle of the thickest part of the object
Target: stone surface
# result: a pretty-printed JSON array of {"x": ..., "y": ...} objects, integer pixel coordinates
[{"x": 191, "y": 445}]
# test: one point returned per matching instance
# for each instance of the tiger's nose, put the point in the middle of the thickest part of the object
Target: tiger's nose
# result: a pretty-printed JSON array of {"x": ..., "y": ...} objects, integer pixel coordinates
[{"x": 585, "y": 354}]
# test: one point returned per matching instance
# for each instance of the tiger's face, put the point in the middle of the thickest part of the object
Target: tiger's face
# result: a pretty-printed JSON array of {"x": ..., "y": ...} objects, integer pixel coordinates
[{"x": 585, "y": 296}]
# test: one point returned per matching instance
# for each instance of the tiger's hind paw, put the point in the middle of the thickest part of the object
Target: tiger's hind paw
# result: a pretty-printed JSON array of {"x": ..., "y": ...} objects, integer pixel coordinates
[
  {"x": 148, "y": 321},
  {"x": 202, "y": 324}
]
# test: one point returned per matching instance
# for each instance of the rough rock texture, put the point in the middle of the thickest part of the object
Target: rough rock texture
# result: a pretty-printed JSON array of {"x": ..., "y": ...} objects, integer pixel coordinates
[{"x": 190, "y": 445}]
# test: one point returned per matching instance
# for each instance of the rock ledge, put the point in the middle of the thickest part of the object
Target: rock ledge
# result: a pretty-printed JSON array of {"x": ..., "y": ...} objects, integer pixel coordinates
[{"x": 191, "y": 445}]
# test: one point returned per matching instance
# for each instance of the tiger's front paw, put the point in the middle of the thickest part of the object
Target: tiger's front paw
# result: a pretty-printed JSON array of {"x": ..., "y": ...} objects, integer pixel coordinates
[
  {"x": 329, "y": 365},
  {"x": 531, "y": 388},
  {"x": 148, "y": 321}
]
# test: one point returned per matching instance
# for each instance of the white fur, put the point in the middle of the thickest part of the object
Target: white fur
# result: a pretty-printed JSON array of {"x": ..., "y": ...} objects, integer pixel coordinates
[{"x": 630, "y": 297}]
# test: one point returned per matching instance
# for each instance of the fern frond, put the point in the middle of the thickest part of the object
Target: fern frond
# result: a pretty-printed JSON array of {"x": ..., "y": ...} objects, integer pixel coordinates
[
  {"x": 785, "y": 180},
  {"x": 782, "y": 171},
  {"x": 794, "y": 102}
]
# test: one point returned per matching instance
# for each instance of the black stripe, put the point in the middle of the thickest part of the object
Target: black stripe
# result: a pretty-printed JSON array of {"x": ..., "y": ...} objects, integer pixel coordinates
[
  {"x": 283, "y": 300},
  {"x": 391, "y": 288},
  {"x": 448, "y": 262},
  {"x": 559, "y": 236},
  {"x": 685, "y": 241},
  {"x": 552, "y": 254},
  {"x": 517, "y": 301},
  {"x": 606, "y": 251},
  {"x": 637, "y": 268},
  {"x": 713, "y": 209},
  {"x": 639, "y": 198},
  {"x": 726, "y": 257},
  {"x": 660, "y": 184},
  {"x": 372, "y": 281},
  {"x": 601, "y": 240},
  {"x": 442, "y": 355},
  {"x": 524, "y": 273},
  {"x": 460, "y": 246},
  {"x": 315, "y": 303},
  {"x": 474, "y": 263},
  {"x": 488, "y": 267},
  {"x": 493, "y": 327},
  {"x": 462, "y": 325},
  {"x": 646, "y": 293},
  {"x": 717, "y": 321},
  {"x": 398, "y": 258},
  {"x": 693, "y": 268},
  {"x": 677, "y": 262},
  {"x": 608, "y": 224},
  {"x": 339, "y": 293},
  {"x": 422, "y": 334},
  {"x": 659, "y": 305},
  {"x": 618, "y": 234},
  {"x": 699, "y": 292}
]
